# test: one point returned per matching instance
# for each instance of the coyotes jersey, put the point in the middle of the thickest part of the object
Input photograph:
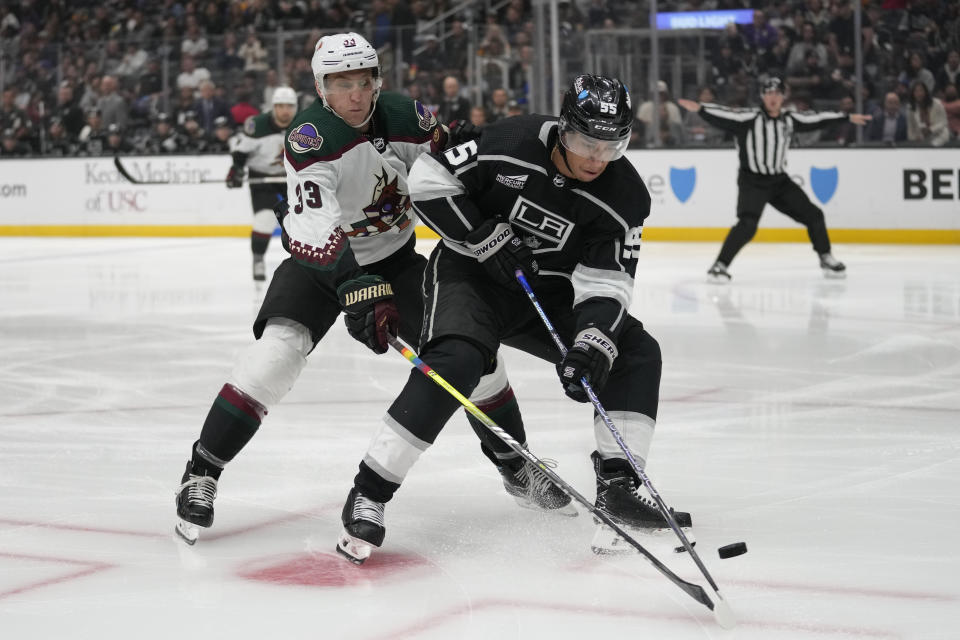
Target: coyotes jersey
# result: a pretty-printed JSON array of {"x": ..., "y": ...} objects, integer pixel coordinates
[
  {"x": 588, "y": 233},
  {"x": 261, "y": 143},
  {"x": 347, "y": 191}
]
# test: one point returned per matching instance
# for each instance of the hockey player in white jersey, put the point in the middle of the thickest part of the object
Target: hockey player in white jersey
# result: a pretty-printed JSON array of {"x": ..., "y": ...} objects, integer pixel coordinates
[
  {"x": 350, "y": 232},
  {"x": 259, "y": 150}
]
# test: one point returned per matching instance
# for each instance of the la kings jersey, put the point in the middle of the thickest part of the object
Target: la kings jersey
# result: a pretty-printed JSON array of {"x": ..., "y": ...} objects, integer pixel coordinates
[
  {"x": 349, "y": 202},
  {"x": 261, "y": 141},
  {"x": 587, "y": 232}
]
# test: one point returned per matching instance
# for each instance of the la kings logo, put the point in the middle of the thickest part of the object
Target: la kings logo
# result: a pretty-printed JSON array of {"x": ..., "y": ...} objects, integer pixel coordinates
[{"x": 550, "y": 230}]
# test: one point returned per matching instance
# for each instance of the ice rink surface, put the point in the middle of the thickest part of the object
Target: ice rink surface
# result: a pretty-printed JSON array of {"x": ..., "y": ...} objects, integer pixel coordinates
[{"x": 816, "y": 420}]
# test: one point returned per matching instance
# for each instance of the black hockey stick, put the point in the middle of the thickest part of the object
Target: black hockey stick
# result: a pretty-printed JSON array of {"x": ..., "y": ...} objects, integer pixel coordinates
[
  {"x": 695, "y": 591},
  {"x": 130, "y": 178},
  {"x": 722, "y": 612}
]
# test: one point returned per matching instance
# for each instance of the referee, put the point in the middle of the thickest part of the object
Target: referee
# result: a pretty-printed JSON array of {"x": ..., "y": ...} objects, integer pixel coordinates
[{"x": 763, "y": 137}]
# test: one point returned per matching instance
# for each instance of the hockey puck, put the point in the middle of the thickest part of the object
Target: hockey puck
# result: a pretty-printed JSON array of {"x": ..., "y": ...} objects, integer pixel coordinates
[{"x": 732, "y": 550}]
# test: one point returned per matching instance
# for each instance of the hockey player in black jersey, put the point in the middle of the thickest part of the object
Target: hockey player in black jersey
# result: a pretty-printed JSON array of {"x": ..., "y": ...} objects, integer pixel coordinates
[
  {"x": 557, "y": 200},
  {"x": 351, "y": 239},
  {"x": 763, "y": 137}
]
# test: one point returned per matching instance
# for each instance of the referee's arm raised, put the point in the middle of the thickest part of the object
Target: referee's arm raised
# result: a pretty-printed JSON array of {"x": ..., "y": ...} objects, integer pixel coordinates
[{"x": 726, "y": 118}]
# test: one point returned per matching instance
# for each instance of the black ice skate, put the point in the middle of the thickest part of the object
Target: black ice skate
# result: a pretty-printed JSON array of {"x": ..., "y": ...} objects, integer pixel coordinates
[
  {"x": 259, "y": 268},
  {"x": 533, "y": 489},
  {"x": 832, "y": 268},
  {"x": 718, "y": 274},
  {"x": 195, "y": 503},
  {"x": 363, "y": 527},
  {"x": 624, "y": 499}
]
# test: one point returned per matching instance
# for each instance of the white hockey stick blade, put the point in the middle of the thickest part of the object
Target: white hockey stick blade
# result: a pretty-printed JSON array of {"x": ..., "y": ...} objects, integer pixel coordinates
[
  {"x": 722, "y": 612},
  {"x": 353, "y": 549},
  {"x": 187, "y": 531}
]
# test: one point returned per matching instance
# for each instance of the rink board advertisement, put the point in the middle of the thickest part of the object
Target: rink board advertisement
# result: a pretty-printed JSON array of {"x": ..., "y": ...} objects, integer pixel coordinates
[{"x": 693, "y": 192}]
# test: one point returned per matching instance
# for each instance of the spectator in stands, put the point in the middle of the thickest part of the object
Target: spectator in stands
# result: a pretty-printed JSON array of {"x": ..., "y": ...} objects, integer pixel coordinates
[
  {"x": 725, "y": 69},
  {"x": 116, "y": 143},
  {"x": 453, "y": 106},
  {"x": 220, "y": 140},
  {"x": 497, "y": 109},
  {"x": 817, "y": 15},
  {"x": 227, "y": 57},
  {"x": 209, "y": 106},
  {"x": 926, "y": 117},
  {"x": 671, "y": 121},
  {"x": 11, "y": 146},
  {"x": 429, "y": 61},
  {"x": 192, "y": 139},
  {"x": 478, "y": 116},
  {"x": 811, "y": 78},
  {"x": 133, "y": 61},
  {"x": 841, "y": 34},
  {"x": 455, "y": 48},
  {"x": 190, "y": 74},
  {"x": 163, "y": 137},
  {"x": 759, "y": 35},
  {"x": 773, "y": 61},
  {"x": 494, "y": 43},
  {"x": 181, "y": 105},
  {"x": 68, "y": 110},
  {"x": 253, "y": 53},
  {"x": 91, "y": 136},
  {"x": 57, "y": 142},
  {"x": 112, "y": 106},
  {"x": 951, "y": 104},
  {"x": 698, "y": 132},
  {"x": 808, "y": 42},
  {"x": 889, "y": 124},
  {"x": 194, "y": 43},
  {"x": 514, "y": 108},
  {"x": 949, "y": 73},
  {"x": 270, "y": 85},
  {"x": 916, "y": 70},
  {"x": 842, "y": 133},
  {"x": 242, "y": 107}
]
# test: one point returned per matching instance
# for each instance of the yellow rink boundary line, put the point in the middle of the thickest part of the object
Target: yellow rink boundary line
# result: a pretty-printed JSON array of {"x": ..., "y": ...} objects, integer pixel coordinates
[{"x": 663, "y": 234}]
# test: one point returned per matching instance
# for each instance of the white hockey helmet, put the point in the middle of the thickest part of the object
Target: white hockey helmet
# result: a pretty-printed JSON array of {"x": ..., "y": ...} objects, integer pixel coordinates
[
  {"x": 344, "y": 52},
  {"x": 283, "y": 95}
]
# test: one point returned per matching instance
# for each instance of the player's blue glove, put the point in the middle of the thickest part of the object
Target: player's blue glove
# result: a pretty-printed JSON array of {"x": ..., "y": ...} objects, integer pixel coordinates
[
  {"x": 501, "y": 252},
  {"x": 369, "y": 311},
  {"x": 590, "y": 357}
]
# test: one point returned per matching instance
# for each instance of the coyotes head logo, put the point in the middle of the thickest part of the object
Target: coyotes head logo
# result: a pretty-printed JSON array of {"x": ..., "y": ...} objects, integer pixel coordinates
[{"x": 387, "y": 209}]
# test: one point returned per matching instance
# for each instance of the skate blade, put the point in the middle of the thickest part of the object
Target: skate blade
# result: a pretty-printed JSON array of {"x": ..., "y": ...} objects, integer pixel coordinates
[
  {"x": 717, "y": 280},
  {"x": 834, "y": 275},
  {"x": 187, "y": 531},
  {"x": 567, "y": 510},
  {"x": 606, "y": 541},
  {"x": 353, "y": 549}
]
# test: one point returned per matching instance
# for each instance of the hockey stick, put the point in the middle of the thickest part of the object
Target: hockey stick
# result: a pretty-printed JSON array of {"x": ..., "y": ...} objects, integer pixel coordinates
[
  {"x": 695, "y": 591},
  {"x": 722, "y": 612},
  {"x": 130, "y": 178}
]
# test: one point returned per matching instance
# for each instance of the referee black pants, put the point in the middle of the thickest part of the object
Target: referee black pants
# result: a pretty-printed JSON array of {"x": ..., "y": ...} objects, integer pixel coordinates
[{"x": 783, "y": 194}]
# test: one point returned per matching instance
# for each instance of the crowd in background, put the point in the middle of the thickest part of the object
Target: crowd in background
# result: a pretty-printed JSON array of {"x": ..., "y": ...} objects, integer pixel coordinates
[{"x": 170, "y": 76}]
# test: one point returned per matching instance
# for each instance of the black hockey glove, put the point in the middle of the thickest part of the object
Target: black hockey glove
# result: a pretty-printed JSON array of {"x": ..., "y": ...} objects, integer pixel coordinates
[
  {"x": 590, "y": 357},
  {"x": 235, "y": 177},
  {"x": 462, "y": 131},
  {"x": 501, "y": 252},
  {"x": 370, "y": 313},
  {"x": 280, "y": 210}
]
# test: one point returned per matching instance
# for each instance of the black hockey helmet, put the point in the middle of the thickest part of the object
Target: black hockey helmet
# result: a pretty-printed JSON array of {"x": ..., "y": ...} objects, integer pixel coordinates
[
  {"x": 772, "y": 83},
  {"x": 595, "y": 118}
]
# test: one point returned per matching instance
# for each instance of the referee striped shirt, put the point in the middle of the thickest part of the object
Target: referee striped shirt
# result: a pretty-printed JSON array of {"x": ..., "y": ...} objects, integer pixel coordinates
[{"x": 762, "y": 141}]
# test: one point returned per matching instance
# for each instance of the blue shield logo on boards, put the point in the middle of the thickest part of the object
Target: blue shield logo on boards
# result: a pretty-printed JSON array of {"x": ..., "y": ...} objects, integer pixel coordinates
[
  {"x": 682, "y": 182},
  {"x": 824, "y": 183}
]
